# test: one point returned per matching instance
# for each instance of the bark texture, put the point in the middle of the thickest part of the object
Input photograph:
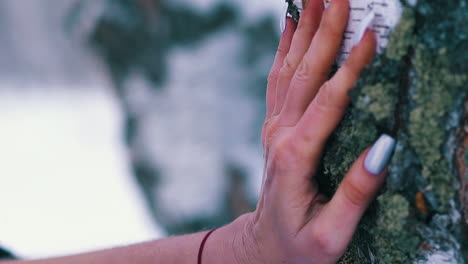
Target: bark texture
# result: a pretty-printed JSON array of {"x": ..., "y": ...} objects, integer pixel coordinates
[{"x": 417, "y": 92}]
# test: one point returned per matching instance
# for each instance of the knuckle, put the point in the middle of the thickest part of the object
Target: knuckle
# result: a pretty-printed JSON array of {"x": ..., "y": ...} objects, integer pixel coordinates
[
  {"x": 288, "y": 68},
  {"x": 356, "y": 195},
  {"x": 330, "y": 99},
  {"x": 282, "y": 151},
  {"x": 281, "y": 51},
  {"x": 283, "y": 155},
  {"x": 323, "y": 241},
  {"x": 270, "y": 127},
  {"x": 272, "y": 77},
  {"x": 303, "y": 73},
  {"x": 266, "y": 126},
  {"x": 323, "y": 100}
]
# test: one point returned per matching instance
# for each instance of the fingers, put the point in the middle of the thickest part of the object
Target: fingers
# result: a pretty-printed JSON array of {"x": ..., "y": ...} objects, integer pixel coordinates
[
  {"x": 283, "y": 49},
  {"x": 308, "y": 24},
  {"x": 328, "y": 107},
  {"x": 314, "y": 69},
  {"x": 358, "y": 189}
]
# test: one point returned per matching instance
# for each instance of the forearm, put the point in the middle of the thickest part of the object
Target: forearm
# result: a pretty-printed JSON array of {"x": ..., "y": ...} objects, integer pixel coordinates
[
  {"x": 170, "y": 250},
  {"x": 219, "y": 248}
]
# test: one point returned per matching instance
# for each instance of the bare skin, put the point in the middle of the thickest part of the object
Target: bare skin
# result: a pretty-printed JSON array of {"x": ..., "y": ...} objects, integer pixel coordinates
[{"x": 293, "y": 223}]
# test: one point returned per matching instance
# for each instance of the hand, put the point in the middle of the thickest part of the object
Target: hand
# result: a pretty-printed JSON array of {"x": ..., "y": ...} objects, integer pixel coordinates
[{"x": 294, "y": 222}]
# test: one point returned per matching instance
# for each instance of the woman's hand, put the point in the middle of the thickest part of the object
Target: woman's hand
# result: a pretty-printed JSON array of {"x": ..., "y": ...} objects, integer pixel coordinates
[{"x": 294, "y": 222}]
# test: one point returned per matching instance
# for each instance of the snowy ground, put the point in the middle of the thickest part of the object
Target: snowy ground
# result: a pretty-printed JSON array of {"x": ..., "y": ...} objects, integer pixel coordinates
[{"x": 65, "y": 181}]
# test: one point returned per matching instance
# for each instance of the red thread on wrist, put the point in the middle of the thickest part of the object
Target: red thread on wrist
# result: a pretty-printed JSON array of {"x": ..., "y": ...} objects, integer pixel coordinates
[{"x": 202, "y": 246}]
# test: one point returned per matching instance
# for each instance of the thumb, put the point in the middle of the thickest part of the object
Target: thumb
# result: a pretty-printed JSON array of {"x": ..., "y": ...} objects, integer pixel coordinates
[{"x": 357, "y": 190}]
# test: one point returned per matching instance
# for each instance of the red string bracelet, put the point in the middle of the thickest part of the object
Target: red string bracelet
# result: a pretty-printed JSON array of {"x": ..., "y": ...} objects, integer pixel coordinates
[{"x": 202, "y": 246}]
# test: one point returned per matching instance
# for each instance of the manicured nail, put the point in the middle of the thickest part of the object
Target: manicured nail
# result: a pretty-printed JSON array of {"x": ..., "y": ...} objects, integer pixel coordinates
[
  {"x": 361, "y": 30},
  {"x": 284, "y": 15},
  {"x": 380, "y": 154}
]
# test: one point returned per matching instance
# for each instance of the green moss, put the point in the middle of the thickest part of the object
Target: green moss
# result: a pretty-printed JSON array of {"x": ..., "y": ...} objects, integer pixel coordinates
[
  {"x": 408, "y": 91},
  {"x": 361, "y": 245},
  {"x": 394, "y": 239},
  {"x": 354, "y": 255},
  {"x": 402, "y": 37},
  {"x": 378, "y": 99},
  {"x": 375, "y": 101},
  {"x": 434, "y": 95},
  {"x": 351, "y": 138},
  {"x": 356, "y": 132}
]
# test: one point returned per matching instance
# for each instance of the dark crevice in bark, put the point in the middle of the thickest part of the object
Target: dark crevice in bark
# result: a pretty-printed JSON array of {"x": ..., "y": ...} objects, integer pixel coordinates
[
  {"x": 404, "y": 84},
  {"x": 462, "y": 162}
]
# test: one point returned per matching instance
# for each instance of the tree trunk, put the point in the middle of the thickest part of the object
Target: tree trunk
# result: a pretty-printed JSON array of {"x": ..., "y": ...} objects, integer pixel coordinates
[{"x": 417, "y": 92}]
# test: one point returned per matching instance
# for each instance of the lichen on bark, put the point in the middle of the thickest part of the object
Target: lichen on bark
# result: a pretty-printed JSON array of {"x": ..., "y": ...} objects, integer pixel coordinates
[
  {"x": 394, "y": 238},
  {"x": 413, "y": 91},
  {"x": 435, "y": 94}
]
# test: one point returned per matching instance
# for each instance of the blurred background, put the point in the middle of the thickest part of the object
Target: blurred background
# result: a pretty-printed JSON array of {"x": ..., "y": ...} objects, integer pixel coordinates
[{"x": 129, "y": 120}]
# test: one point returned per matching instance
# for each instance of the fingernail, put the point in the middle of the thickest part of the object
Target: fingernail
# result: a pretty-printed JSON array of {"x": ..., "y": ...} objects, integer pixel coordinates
[
  {"x": 380, "y": 154},
  {"x": 283, "y": 18},
  {"x": 326, "y": 3},
  {"x": 365, "y": 23}
]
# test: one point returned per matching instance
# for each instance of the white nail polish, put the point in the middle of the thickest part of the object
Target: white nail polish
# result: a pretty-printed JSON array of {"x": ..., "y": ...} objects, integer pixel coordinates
[
  {"x": 380, "y": 154},
  {"x": 365, "y": 23},
  {"x": 283, "y": 18}
]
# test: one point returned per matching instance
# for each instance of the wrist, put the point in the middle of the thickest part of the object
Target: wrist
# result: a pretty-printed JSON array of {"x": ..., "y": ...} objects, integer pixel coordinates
[{"x": 233, "y": 244}]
